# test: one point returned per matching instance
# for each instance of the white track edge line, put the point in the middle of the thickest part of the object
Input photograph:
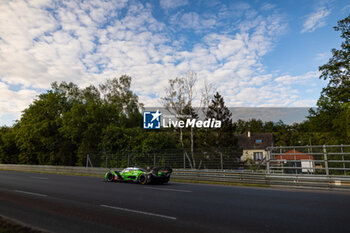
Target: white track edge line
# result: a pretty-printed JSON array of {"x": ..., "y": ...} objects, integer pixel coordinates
[
  {"x": 174, "y": 190},
  {"x": 139, "y": 212},
  {"x": 40, "y": 178},
  {"x": 30, "y": 193}
]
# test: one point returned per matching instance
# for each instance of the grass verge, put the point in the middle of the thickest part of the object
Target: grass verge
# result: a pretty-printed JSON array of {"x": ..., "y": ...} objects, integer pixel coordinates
[
  {"x": 3, "y": 230},
  {"x": 220, "y": 183},
  {"x": 8, "y": 225}
]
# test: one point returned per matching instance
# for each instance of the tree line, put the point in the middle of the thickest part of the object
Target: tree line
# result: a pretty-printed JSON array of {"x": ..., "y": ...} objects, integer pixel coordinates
[{"x": 67, "y": 122}]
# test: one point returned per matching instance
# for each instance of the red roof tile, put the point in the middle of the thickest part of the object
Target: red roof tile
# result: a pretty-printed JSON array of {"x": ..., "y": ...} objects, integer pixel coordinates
[{"x": 293, "y": 155}]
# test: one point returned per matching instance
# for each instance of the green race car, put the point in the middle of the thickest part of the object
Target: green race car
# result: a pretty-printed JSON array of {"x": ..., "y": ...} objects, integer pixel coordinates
[{"x": 135, "y": 174}]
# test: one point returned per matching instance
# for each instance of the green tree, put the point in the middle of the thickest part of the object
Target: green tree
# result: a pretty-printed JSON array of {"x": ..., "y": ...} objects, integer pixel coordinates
[
  {"x": 222, "y": 137},
  {"x": 66, "y": 123},
  {"x": 178, "y": 100},
  {"x": 123, "y": 104},
  {"x": 38, "y": 136},
  {"x": 333, "y": 104},
  {"x": 8, "y": 148}
]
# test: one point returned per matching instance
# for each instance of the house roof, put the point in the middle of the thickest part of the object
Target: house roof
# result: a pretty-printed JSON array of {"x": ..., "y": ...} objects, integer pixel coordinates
[
  {"x": 294, "y": 155},
  {"x": 255, "y": 141}
]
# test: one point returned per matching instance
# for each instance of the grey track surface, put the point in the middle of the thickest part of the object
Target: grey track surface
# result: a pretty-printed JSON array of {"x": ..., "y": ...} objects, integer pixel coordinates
[{"x": 60, "y": 203}]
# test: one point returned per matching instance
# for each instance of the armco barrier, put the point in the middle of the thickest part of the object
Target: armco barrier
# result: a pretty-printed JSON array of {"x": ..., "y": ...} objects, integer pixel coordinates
[
  {"x": 278, "y": 180},
  {"x": 54, "y": 169},
  {"x": 229, "y": 176}
]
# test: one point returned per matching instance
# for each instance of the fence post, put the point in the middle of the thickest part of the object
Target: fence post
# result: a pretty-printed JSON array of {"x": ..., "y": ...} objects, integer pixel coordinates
[
  {"x": 154, "y": 159},
  {"x": 342, "y": 156},
  {"x": 184, "y": 160},
  {"x": 88, "y": 161},
  {"x": 221, "y": 161},
  {"x": 325, "y": 159},
  {"x": 268, "y": 156},
  {"x": 128, "y": 159}
]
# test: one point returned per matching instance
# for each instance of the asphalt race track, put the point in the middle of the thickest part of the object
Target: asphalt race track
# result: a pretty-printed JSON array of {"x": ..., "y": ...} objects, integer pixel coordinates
[{"x": 61, "y": 203}]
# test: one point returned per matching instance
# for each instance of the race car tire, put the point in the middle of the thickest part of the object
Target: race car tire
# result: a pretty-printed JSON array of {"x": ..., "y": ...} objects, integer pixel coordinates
[
  {"x": 142, "y": 179},
  {"x": 110, "y": 177}
]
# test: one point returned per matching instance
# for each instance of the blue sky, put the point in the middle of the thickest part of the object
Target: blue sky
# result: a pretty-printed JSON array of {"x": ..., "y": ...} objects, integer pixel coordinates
[{"x": 255, "y": 53}]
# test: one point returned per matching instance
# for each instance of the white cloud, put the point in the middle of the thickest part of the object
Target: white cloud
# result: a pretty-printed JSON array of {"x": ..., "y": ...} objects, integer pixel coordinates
[
  {"x": 267, "y": 6},
  {"x": 345, "y": 8},
  {"x": 172, "y": 4},
  {"x": 89, "y": 42},
  {"x": 316, "y": 20},
  {"x": 193, "y": 21},
  {"x": 13, "y": 102},
  {"x": 300, "y": 79},
  {"x": 305, "y": 103},
  {"x": 323, "y": 57}
]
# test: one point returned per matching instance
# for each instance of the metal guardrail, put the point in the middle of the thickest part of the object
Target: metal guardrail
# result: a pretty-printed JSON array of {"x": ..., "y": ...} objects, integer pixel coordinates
[
  {"x": 282, "y": 180},
  {"x": 225, "y": 177},
  {"x": 54, "y": 169}
]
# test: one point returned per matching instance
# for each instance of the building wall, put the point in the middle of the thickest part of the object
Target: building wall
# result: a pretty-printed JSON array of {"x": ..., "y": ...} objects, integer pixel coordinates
[{"x": 249, "y": 154}]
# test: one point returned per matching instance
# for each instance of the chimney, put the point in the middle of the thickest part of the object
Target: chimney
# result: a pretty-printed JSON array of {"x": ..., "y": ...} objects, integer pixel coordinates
[{"x": 248, "y": 134}]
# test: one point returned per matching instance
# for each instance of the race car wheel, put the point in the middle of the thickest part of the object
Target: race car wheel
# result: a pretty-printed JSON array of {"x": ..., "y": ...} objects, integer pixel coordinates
[
  {"x": 110, "y": 177},
  {"x": 142, "y": 179}
]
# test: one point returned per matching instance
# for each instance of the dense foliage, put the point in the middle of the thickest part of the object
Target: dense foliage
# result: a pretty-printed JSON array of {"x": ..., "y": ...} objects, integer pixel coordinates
[{"x": 332, "y": 116}]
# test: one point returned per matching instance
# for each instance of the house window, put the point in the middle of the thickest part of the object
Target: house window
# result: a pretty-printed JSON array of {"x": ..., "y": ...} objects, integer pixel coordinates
[
  {"x": 258, "y": 141},
  {"x": 258, "y": 156}
]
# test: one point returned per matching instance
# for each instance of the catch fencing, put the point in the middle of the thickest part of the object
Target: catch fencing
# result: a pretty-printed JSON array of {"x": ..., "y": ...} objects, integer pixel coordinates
[
  {"x": 312, "y": 160},
  {"x": 315, "y": 160},
  {"x": 223, "y": 158}
]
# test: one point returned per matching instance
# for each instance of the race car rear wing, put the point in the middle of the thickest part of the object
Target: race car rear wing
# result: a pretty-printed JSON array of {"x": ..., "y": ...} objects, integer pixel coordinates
[{"x": 155, "y": 170}]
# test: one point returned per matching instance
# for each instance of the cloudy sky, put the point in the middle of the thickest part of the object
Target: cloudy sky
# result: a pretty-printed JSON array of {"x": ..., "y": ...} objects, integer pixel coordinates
[{"x": 256, "y": 53}]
